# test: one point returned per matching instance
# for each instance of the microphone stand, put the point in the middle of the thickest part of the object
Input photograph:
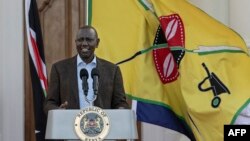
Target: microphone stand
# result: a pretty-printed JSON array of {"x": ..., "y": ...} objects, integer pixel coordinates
[
  {"x": 85, "y": 88},
  {"x": 90, "y": 101}
]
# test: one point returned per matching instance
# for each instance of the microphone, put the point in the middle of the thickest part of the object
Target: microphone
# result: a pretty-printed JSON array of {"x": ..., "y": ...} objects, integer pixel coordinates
[
  {"x": 84, "y": 75},
  {"x": 95, "y": 77}
]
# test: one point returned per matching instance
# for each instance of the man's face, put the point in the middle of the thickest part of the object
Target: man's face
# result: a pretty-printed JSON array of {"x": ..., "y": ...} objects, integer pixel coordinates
[{"x": 86, "y": 42}]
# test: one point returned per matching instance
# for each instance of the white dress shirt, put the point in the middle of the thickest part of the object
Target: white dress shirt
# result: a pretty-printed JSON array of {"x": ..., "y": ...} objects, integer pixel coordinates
[{"x": 88, "y": 67}]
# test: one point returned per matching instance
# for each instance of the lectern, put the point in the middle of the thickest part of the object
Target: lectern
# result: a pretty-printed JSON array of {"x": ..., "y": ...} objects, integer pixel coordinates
[{"x": 60, "y": 124}]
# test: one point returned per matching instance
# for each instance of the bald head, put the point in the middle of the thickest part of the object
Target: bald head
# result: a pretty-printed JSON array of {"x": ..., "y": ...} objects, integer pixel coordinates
[
  {"x": 86, "y": 42},
  {"x": 89, "y": 28}
]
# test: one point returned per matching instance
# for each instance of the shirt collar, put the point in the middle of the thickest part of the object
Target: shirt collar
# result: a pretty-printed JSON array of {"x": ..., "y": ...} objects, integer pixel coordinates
[{"x": 80, "y": 61}]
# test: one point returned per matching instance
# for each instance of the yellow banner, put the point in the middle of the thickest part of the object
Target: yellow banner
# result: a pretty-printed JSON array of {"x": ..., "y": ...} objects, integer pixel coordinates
[{"x": 186, "y": 60}]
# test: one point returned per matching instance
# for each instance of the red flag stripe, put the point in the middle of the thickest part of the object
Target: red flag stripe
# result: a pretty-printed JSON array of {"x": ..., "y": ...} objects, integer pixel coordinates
[{"x": 38, "y": 62}]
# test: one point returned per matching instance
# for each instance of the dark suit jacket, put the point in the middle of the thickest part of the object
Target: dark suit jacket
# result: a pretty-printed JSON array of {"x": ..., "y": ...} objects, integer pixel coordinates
[{"x": 63, "y": 86}]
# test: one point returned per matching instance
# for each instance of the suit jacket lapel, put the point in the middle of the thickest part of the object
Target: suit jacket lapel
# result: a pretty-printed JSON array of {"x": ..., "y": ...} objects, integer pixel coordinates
[
  {"x": 99, "y": 68},
  {"x": 73, "y": 81}
]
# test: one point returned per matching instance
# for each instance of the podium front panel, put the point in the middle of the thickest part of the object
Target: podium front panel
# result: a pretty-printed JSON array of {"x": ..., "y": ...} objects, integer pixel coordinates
[{"x": 60, "y": 124}]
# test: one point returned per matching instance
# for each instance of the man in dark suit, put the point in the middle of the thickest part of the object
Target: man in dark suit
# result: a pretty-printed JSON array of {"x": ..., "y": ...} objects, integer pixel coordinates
[{"x": 65, "y": 86}]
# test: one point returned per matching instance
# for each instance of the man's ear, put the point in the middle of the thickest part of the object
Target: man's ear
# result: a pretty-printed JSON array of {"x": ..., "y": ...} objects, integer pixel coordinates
[{"x": 97, "y": 42}]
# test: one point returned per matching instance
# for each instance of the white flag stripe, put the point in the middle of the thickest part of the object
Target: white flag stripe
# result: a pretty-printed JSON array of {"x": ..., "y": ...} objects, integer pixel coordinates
[
  {"x": 33, "y": 34},
  {"x": 216, "y": 48},
  {"x": 151, "y": 132}
]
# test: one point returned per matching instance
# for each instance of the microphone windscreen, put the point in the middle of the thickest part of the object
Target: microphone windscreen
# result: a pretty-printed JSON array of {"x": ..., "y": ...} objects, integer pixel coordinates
[
  {"x": 94, "y": 72},
  {"x": 84, "y": 73}
]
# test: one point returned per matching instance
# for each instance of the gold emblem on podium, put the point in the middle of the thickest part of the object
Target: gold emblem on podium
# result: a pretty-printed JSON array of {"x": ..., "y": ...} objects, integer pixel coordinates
[{"x": 92, "y": 124}]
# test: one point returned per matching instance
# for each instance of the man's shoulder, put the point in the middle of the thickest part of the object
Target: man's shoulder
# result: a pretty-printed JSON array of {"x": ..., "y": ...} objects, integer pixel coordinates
[
  {"x": 106, "y": 62},
  {"x": 65, "y": 61}
]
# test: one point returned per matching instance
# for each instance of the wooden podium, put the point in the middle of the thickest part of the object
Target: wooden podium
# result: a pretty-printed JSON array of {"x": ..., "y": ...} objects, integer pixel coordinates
[{"x": 60, "y": 124}]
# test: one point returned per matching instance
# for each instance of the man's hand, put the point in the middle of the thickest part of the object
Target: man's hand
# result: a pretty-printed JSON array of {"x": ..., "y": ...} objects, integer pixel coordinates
[{"x": 64, "y": 105}]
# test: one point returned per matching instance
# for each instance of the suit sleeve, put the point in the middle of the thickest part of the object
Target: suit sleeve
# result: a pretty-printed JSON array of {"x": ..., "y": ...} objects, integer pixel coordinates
[
  {"x": 52, "y": 100},
  {"x": 119, "y": 98}
]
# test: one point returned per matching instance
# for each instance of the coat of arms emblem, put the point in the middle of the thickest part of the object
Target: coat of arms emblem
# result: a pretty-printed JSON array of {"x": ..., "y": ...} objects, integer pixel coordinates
[{"x": 92, "y": 123}]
